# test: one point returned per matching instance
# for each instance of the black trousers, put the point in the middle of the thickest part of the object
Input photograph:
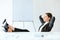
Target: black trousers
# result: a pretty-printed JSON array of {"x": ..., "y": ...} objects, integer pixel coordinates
[
  {"x": 20, "y": 30},
  {"x": 16, "y": 29}
]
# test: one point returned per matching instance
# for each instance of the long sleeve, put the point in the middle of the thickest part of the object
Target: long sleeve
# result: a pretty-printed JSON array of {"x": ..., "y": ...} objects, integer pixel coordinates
[{"x": 41, "y": 19}]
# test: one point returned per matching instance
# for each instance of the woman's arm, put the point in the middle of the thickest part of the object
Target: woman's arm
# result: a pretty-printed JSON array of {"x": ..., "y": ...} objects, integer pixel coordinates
[{"x": 41, "y": 19}]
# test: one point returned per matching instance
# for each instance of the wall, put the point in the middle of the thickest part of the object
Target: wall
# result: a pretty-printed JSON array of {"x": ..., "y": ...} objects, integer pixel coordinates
[
  {"x": 6, "y": 10},
  {"x": 42, "y": 6}
]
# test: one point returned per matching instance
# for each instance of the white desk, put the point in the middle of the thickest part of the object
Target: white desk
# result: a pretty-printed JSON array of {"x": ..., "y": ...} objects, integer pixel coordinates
[{"x": 30, "y": 36}]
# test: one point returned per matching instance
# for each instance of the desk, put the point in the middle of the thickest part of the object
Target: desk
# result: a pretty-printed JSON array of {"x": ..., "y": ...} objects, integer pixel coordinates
[{"x": 30, "y": 36}]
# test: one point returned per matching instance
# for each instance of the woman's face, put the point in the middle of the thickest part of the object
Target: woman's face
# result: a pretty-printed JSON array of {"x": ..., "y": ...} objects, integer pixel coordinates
[{"x": 46, "y": 18}]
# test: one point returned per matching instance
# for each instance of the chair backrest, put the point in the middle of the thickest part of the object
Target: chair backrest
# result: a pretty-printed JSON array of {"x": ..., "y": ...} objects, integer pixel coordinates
[{"x": 51, "y": 23}]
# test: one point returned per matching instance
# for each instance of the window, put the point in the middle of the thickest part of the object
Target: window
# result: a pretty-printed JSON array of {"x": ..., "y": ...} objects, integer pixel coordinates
[{"x": 23, "y": 14}]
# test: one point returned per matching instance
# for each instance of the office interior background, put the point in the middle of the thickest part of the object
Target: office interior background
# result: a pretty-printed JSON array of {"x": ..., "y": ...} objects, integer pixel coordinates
[{"x": 24, "y": 14}]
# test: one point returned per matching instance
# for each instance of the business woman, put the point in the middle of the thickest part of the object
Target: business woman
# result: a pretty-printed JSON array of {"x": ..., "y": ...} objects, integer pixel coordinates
[{"x": 45, "y": 20}]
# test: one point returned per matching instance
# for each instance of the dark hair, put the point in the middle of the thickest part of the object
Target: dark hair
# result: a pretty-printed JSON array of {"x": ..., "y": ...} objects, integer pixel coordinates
[{"x": 49, "y": 15}]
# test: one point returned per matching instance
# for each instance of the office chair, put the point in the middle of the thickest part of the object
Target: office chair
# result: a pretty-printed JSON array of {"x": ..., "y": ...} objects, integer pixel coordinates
[{"x": 51, "y": 23}]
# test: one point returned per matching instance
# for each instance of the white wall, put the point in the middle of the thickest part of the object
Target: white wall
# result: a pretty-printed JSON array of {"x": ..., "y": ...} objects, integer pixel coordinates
[
  {"x": 6, "y": 11},
  {"x": 43, "y": 6}
]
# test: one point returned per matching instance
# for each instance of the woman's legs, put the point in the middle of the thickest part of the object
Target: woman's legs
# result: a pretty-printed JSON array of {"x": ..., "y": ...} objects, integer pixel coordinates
[
  {"x": 12, "y": 29},
  {"x": 9, "y": 28}
]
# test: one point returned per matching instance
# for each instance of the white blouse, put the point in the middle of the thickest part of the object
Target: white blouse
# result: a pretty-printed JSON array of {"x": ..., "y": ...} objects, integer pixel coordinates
[{"x": 42, "y": 26}]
